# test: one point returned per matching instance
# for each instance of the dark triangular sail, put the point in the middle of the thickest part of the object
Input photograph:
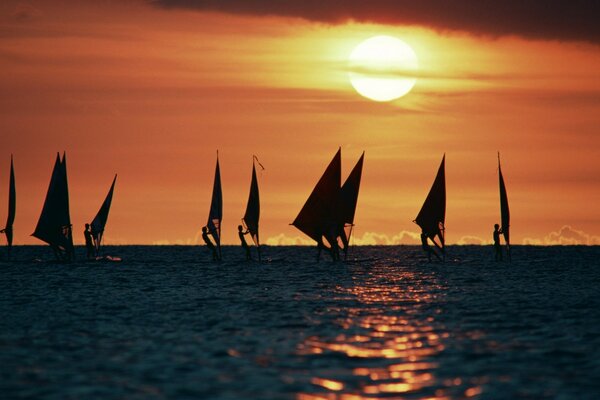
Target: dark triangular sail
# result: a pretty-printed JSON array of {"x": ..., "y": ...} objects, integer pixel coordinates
[
  {"x": 99, "y": 223},
  {"x": 320, "y": 210},
  {"x": 54, "y": 224},
  {"x": 349, "y": 198},
  {"x": 215, "y": 214},
  {"x": 504, "y": 210},
  {"x": 432, "y": 216},
  {"x": 12, "y": 206},
  {"x": 252, "y": 214}
]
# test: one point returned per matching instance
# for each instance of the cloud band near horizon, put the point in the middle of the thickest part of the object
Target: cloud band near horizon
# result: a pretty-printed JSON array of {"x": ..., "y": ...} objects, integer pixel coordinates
[{"x": 575, "y": 20}]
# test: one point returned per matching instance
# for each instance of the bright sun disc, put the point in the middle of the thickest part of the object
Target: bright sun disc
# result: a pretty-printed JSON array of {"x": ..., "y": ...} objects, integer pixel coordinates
[{"x": 383, "y": 68}]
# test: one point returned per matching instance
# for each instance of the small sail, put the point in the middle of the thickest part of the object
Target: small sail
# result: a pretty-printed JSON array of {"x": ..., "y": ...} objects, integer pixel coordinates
[
  {"x": 12, "y": 206},
  {"x": 504, "y": 210},
  {"x": 252, "y": 214},
  {"x": 215, "y": 214},
  {"x": 432, "y": 216},
  {"x": 321, "y": 208},
  {"x": 99, "y": 223},
  {"x": 349, "y": 198},
  {"x": 54, "y": 225}
]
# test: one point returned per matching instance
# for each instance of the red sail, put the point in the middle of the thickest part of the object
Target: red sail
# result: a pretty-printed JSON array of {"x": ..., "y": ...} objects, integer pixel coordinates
[
  {"x": 349, "y": 197},
  {"x": 432, "y": 216},
  {"x": 320, "y": 210},
  {"x": 215, "y": 215},
  {"x": 12, "y": 205},
  {"x": 504, "y": 210},
  {"x": 252, "y": 214},
  {"x": 99, "y": 222}
]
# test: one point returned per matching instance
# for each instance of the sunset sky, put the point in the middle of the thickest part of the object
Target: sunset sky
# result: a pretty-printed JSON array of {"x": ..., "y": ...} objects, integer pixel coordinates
[{"x": 151, "y": 89}]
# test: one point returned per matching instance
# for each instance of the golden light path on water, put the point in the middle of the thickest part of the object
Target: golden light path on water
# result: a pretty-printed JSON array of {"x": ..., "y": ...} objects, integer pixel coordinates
[{"x": 390, "y": 342}]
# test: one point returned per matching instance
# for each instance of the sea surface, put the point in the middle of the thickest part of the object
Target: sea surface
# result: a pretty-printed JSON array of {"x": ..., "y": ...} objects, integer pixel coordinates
[{"x": 166, "y": 323}]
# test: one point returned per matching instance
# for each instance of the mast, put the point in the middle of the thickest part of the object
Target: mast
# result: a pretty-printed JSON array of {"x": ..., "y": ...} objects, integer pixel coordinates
[
  {"x": 348, "y": 200},
  {"x": 504, "y": 209},
  {"x": 320, "y": 210},
  {"x": 99, "y": 223},
  {"x": 54, "y": 224},
  {"x": 215, "y": 214},
  {"x": 252, "y": 214},
  {"x": 432, "y": 216},
  {"x": 12, "y": 205}
]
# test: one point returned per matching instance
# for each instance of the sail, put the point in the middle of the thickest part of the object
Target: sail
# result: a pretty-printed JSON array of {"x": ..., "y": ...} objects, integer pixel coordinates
[
  {"x": 252, "y": 214},
  {"x": 216, "y": 207},
  {"x": 349, "y": 197},
  {"x": 432, "y": 216},
  {"x": 99, "y": 222},
  {"x": 12, "y": 205},
  {"x": 320, "y": 209},
  {"x": 54, "y": 224},
  {"x": 504, "y": 210}
]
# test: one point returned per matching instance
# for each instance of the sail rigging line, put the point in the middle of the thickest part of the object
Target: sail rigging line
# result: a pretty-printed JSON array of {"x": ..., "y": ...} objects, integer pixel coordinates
[{"x": 98, "y": 224}]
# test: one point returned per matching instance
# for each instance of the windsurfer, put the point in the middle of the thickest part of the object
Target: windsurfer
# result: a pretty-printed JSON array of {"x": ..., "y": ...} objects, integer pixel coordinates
[
  {"x": 245, "y": 246},
  {"x": 209, "y": 243},
  {"x": 497, "y": 246},
  {"x": 89, "y": 243},
  {"x": 428, "y": 250}
]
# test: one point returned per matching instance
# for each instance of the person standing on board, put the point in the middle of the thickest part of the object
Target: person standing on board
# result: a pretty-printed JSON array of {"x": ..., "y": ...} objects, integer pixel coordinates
[
  {"x": 209, "y": 243},
  {"x": 9, "y": 233},
  {"x": 245, "y": 246},
  {"x": 89, "y": 243},
  {"x": 428, "y": 250},
  {"x": 497, "y": 246}
]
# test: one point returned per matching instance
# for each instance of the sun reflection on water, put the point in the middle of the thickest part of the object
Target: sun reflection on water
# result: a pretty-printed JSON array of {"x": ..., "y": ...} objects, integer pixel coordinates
[{"x": 388, "y": 345}]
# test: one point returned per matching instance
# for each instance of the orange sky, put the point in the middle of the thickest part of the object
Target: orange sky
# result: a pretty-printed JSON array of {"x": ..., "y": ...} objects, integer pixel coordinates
[{"x": 152, "y": 93}]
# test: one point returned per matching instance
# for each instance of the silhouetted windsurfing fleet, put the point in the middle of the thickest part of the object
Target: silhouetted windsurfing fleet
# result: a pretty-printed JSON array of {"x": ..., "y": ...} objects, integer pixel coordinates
[{"x": 327, "y": 216}]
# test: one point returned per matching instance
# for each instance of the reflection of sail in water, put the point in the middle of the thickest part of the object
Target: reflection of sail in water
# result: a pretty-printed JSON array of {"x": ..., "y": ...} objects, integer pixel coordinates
[{"x": 390, "y": 337}]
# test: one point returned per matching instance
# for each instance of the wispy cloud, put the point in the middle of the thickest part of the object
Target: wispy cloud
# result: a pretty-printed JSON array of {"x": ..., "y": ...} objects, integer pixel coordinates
[{"x": 565, "y": 236}]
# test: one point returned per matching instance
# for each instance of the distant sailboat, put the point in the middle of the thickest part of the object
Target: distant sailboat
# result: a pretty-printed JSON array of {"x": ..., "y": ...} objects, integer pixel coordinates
[
  {"x": 320, "y": 212},
  {"x": 99, "y": 223},
  {"x": 348, "y": 200},
  {"x": 215, "y": 214},
  {"x": 432, "y": 216},
  {"x": 12, "y": 205},
  {"x": 504, "y": 210},
  {"x": 252, "y": 214},
  {"x": 54, "y": 226}
]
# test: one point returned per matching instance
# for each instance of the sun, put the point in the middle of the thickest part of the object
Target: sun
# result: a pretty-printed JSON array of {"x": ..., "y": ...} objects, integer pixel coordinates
[{"x": 383, "y": 68}]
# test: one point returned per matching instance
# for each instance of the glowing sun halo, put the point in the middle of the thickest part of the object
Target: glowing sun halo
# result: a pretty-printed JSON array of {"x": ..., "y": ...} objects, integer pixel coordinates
[{"x": 383, "y": 68}]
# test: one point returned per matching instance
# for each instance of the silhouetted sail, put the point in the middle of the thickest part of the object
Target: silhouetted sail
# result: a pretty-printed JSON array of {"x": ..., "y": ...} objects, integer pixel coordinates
[
  {"x": 216, "y": 209},
  {"x": 432, "y": 216},
  {"x": 320, "y": 210},
  {"x": 99, "y": 223},
  {"x": 504, "y": 210},
  {"x": 252, "y": 214},
  {"x": 349, "y": 198},
  {"x": 54, "y": 225},
  {"x": 12, "y": 206}
]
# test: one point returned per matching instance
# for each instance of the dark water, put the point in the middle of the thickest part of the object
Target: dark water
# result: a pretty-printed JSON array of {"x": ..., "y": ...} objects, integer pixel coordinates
[{"x": 165, "y": 323}]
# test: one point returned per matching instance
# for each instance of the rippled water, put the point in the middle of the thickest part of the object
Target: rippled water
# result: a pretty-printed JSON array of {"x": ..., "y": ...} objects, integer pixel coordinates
[{"x": 166, "y": 323}]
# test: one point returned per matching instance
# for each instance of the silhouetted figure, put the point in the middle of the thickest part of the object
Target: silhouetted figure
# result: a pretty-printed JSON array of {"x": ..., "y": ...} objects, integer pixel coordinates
[
  {"x": 8, "y": 231},
  {"x": 245, "y": 246},
  {"x": 428, "y": 250},
  {"x": 209, "y": 244},
  {"x": 497, "y": 246},
  {"x": 89, "y": 243}
]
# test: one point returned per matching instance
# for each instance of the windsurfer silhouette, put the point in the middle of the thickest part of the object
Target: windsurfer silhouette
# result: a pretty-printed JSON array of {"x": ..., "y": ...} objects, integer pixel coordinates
[
  {"x": 245, "y": 246},
  {"x": 89, "y": 242},
  {"x": 428, "y": 250},
  {"x": 497, "y": 246},
  {"x": 209, "y": 243},
  {"x": 8, "y": 231}
]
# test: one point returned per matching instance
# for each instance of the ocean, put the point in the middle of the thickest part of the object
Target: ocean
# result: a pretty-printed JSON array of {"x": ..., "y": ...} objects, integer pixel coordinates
[{"x": 166, "y": 323}]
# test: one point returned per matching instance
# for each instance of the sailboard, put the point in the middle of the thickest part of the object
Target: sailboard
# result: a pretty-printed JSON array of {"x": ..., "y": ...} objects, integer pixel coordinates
[
  {"x": 54, "y": 225},
  {"x": 215, "y": 215},
  {"x": 432, "y": 216},
  {"x": 99, "y": 222},
  {"x": 347, "y": 202},
  {"x": 504, "y": 209},
  {"x": 12, "y": 206},
  {"x": 252, "y": 214},
  {"x": 320, "y": 211}
]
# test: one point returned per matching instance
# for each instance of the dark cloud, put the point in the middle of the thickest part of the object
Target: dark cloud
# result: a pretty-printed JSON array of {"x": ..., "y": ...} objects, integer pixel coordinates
[{"x": 551, "y": 19}]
